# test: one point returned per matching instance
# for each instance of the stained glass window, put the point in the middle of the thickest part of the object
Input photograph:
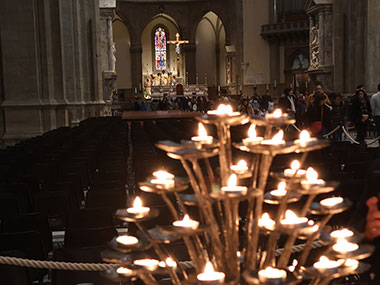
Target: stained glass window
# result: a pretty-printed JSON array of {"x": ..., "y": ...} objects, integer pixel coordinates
[{"x": 160, "y": 48}]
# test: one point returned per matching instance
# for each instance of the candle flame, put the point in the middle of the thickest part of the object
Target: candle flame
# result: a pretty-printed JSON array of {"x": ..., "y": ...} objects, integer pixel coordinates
[
  {"x": 242, "y": 164},
  {"x": 209, "y": 268},
  {"x": 170, "y": 262},
  {"x": 137, "y": 203},
  {"x": 186, "y": 218},
  {"x": 295, "y": 165},
  {"x": 162, "y": 174},
  {"x": 277, "y": 113},
  {"x": 281, "y": 186},
  {"x": 342, "y": 233},
  {"x": 293, "y": 266},
  {"x": 201, "y": 130},
  {"x": 290, "y": 215},
  {"x": 311, "y": 174},
  {"x": 224, "y": 109},
  {"x": 279, "y": 136},
  {"x": 266, "y": 220},
  {"x": 324, "y": 259},
  {"x": 304, "y": 136},
  {"x": 252, "y": 131},
  {"x": 232, "y": 181}
]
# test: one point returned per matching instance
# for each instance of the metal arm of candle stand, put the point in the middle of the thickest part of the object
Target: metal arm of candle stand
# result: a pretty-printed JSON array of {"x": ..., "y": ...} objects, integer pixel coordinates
[
  {"x": 160, "y": 252},
  {"x": 147, "y": 278},
  {"x": 284, "y": 258},
  {"x": 309, "y": 242},
  {"x": 194, "y": 255},
  {"x": 271, "y": 245},
  {"x": 205, "y": 210}
]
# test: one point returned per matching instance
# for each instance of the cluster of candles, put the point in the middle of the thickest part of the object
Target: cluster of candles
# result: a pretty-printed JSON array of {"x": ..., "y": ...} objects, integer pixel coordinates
[{"x": 309, "y": 179}]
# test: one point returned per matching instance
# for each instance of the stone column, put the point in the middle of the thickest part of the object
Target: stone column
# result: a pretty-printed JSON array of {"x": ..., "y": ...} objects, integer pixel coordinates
[
  {"x": 108, "y": 49},
  {"x": 190, "y": 61},
  {"x": 136, "y": 64}
]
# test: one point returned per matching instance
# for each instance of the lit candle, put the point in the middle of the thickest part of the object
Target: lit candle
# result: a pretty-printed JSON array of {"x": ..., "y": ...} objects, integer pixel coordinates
[
  {"x": 138, "y": 208},
  {"x": 276, "y": 140},
  {"x": 169, "y": 262},
  {"x": 202, "y": 135},
  {"x": 252, "y": 138},
  {"x": 304, "y": 138},
  {"x": 325, "y": 263},
  {"x": 292, "y": 219},
  {"x": 149, "y": 264},
  {"x": 272, "y": 275},
  {"x": 343, "y": 246},
  {"x": 312, "y": 228},
  {"x": 163, "y": 179},
  {"x": 232, "y": 186},
  {"x": 124, "y": 271},
  {"x": 127, "y": 240},
  {"x": 186, "y": 222},
  {"x": 210, "y": 276},
  {"x": 331, "y": 202},
  {"x": 312, "y": 179},
  {"x": 275, "y": 115},
  {"x": 294, "y": 169},
  {"x": 280, "y": 191},
  {"x": 293, "y": 266},
  {"x": 266, "y": 222},
  {"x": 223, "y": 110},
  {"x": 240, "y": 168},
  {"x": 351, "y": 263},
  {"x": 343, "y": 233}
]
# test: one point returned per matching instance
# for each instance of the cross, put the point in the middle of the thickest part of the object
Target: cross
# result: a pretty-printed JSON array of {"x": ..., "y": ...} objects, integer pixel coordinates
[{"x": 177, "y": 44}]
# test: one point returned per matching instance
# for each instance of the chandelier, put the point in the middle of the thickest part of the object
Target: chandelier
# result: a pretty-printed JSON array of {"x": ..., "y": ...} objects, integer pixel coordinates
[{"x": 228, "y": 246}]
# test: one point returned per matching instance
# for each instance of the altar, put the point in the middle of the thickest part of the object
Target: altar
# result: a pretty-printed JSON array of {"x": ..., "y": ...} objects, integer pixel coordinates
[{"x": 178, "y": 91}]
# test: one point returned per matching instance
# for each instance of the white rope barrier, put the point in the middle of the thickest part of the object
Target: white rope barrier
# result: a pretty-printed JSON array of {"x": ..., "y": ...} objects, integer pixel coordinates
[
  {"x": 333, "y": 131},
  {"x": 373, "y": 141},
  {"x": 298, "y": 130},
  {"x": 75, "y": 266},
  {"x": 349, "y": 137}
]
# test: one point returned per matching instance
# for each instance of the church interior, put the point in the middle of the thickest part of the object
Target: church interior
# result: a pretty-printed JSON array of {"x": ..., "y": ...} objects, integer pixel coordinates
[{"x": 189, "y": 142}]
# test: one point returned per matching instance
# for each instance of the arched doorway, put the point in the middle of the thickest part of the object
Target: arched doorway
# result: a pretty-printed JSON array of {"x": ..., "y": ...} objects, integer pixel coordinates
[
  {"x": 210, "y": 40},
  {"x": 122, "y": 41}
]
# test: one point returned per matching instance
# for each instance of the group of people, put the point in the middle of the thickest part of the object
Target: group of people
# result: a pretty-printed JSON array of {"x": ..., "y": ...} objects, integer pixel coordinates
[
  {"x": 183, "y": 103},
  {"x": 322, "y": 112}
]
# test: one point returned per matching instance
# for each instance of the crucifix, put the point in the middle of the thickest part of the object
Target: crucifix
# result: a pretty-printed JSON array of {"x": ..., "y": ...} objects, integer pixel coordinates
[{"x": 177, "y": 44}]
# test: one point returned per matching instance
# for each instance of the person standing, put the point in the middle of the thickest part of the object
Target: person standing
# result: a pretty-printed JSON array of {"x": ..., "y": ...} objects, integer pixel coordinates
[
  {"x": 318, "y": 90},
  {"x": 287, "y": 102},
  {"x": 361, "y": 114},
  {"x": 375, "y": 105}
]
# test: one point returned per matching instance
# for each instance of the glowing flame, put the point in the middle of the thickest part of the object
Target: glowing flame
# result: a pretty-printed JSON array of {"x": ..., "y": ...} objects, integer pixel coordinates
[
  {"x": 201, "y": 130},
  {"x": 295, "y": 165},
  {"x": 279, "y": 136},
  {"x": 137, "y": 203},
  {"x": 170, "y": 262},
  {"x": 311, "y": 174},
  {"x": 331, "y": 202},
  {"x": 163, "y": 175},
  {"x": 242, "y": 164},
  {"x": 209, "y": 268},
  {"x": 252, "y": 131},
  {"x": 277, "y": 113},
  {"x": 232, "y": 181},
  {"x": 290, "y": 215},
  {"x": 304, "y": 136},
  {"x": 293, "y": 266},
  {"x": 224, "y": 109},
  {"x": 266, "y": 221}
]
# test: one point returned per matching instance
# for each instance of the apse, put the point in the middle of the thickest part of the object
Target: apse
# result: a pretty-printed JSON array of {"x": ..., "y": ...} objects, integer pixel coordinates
[
  {"x": 211, "y": 54},
  {"x": 157, "y": 55}
]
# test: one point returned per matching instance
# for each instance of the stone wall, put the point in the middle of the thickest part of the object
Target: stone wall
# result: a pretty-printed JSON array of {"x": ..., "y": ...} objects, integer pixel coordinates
[{"x": 51, "y": 75}]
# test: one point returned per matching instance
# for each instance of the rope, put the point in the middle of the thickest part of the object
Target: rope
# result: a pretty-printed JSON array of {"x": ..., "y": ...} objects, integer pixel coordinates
[
  {"x": 72, "y": 266},
  {"x": 298, "y": 130},
  {"x": 373, "y": 141},
  {"x": 333, "y": 131},
  {"x": 300, "y": 247},
  {"x": 349, "y": 137},
  {"x": 55, "y": 264}
]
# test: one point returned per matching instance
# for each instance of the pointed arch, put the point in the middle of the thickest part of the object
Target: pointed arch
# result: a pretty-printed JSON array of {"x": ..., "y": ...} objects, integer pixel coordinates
[{"x": 210, "y": 41}]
